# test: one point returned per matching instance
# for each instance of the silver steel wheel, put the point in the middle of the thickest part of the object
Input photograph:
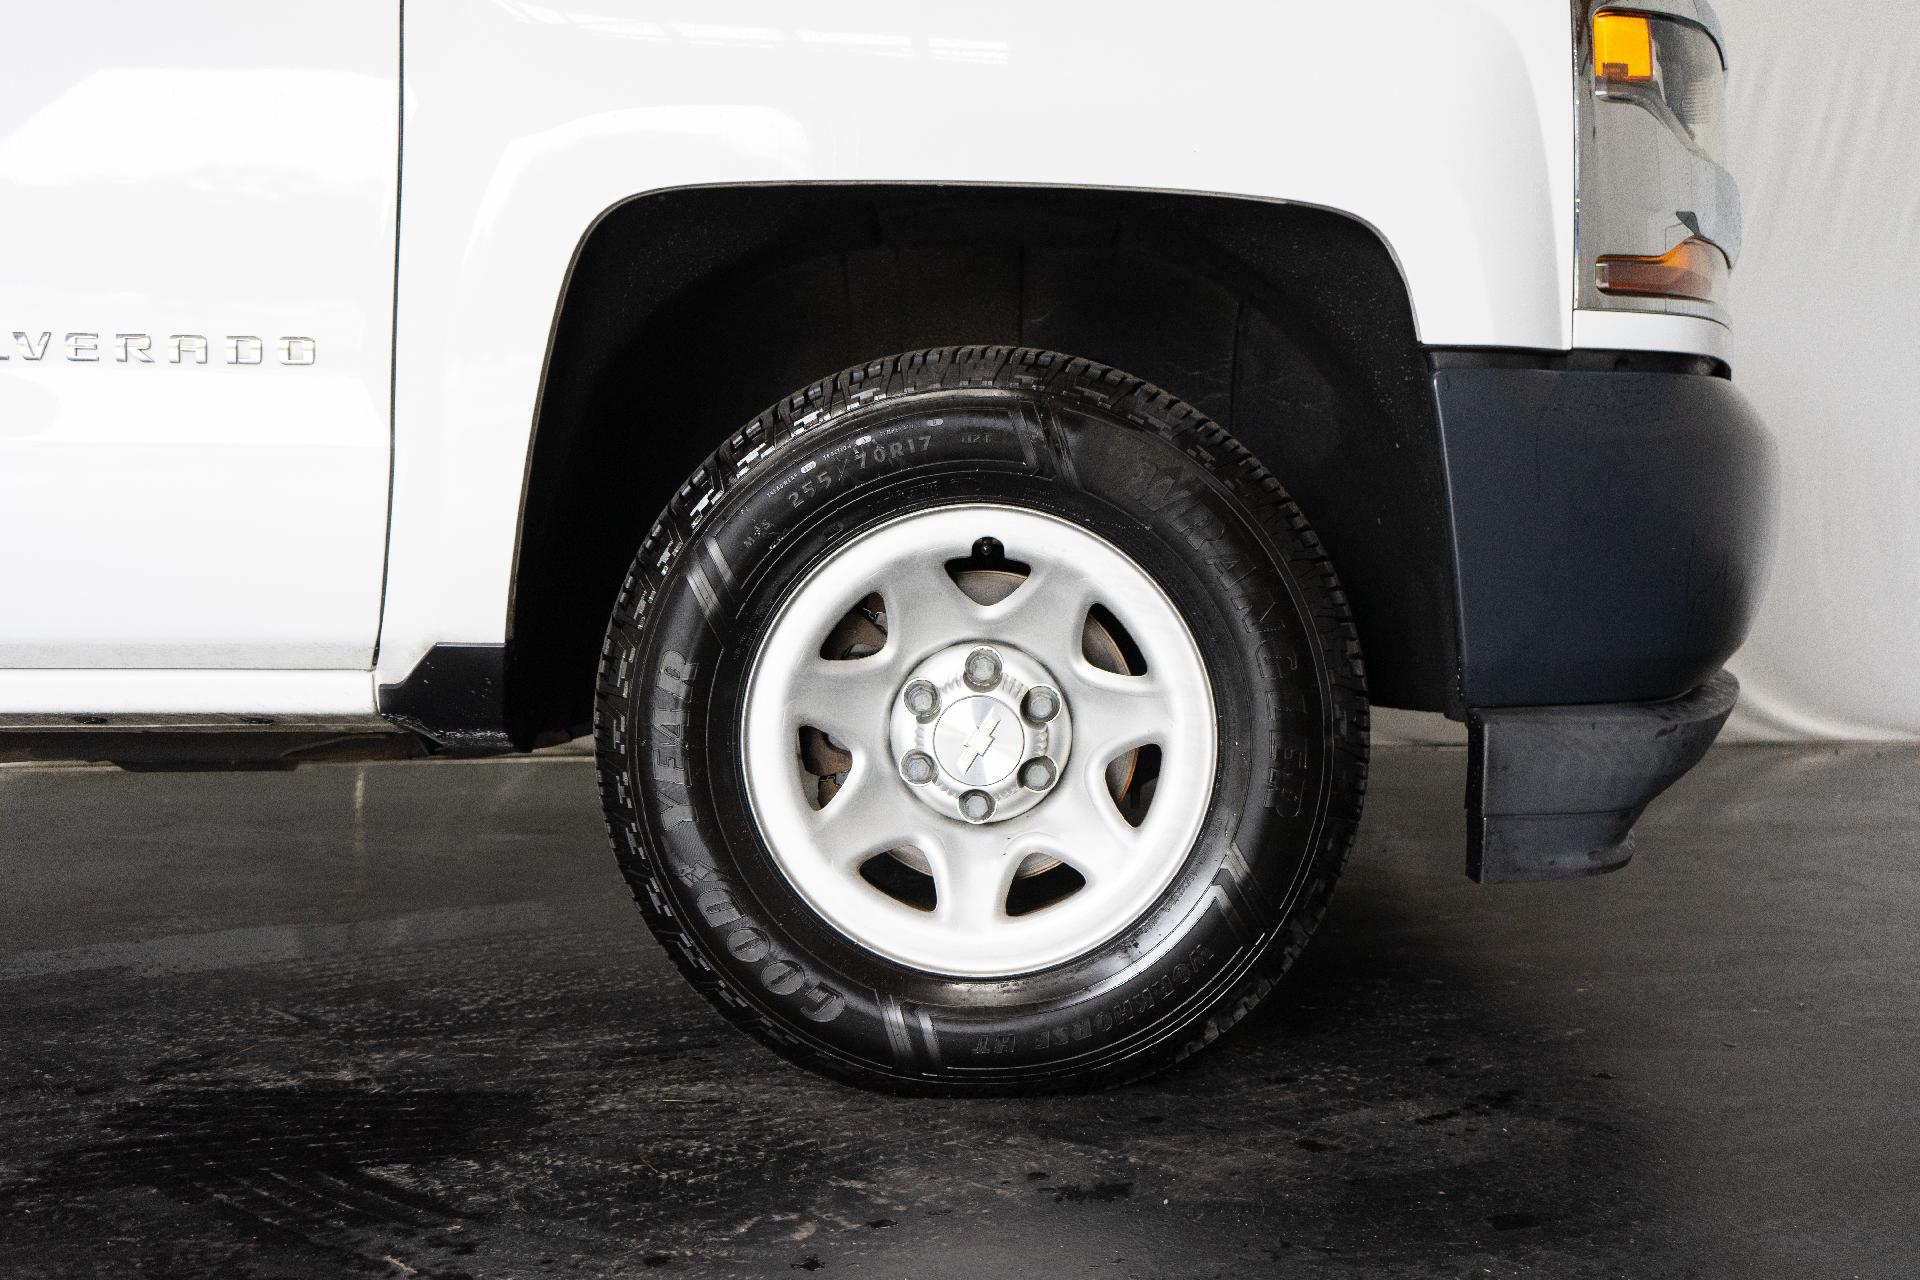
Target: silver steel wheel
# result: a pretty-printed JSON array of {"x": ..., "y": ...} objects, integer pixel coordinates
[{"x": 980, "y": 744}]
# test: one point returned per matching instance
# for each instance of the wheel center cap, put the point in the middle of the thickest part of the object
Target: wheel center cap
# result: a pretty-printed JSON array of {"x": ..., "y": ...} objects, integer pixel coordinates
[
  {"x": 979, "y": 740},
  {"x": 980, "y": 731}
]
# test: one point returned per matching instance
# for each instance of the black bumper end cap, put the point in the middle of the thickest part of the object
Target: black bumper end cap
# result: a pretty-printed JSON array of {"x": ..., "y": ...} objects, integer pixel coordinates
[{"x": 1553, "y": 792}]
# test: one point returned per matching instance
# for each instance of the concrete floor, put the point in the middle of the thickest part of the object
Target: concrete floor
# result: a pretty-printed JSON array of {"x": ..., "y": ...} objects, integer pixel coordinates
[{"x": 400, "y": 1020}]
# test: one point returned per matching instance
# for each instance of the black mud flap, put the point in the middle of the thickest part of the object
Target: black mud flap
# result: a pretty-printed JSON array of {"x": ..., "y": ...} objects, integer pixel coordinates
[{"x": 1554, "y": 792}]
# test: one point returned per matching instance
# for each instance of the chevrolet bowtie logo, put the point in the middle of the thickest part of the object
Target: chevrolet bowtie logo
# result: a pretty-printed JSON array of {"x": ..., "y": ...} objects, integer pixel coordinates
[{"x": 978, "y": 741}]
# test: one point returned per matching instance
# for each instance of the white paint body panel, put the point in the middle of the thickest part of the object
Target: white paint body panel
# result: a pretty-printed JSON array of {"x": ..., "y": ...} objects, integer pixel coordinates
[
  {"x": 224, "y": 167},
  {"x": 292, "y": 695}
]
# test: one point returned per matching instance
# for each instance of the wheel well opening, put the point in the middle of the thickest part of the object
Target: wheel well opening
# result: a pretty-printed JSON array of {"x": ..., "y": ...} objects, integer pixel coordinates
[{"x": 688, "y": 312}]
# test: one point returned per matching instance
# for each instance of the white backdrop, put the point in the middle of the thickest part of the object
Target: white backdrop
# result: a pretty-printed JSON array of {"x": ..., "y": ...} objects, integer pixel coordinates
[
  {"x": 1824, "y": 137},
  {"x": 1824, "y": 116}
]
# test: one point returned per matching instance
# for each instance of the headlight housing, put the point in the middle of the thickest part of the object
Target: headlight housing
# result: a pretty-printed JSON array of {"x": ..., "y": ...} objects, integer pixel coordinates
[
  {"x": 1657, "y": 216},
  {"x": 1668, "y": 67}
]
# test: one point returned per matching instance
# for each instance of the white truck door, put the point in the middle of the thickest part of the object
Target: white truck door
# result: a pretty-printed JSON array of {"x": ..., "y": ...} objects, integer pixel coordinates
[{"x": 197, "y": 206}]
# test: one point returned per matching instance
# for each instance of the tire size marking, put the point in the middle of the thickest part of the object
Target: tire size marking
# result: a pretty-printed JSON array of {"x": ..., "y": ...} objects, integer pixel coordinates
[
  {"x": 867, "y": 452},
  {"x": 814, "y": 484}
]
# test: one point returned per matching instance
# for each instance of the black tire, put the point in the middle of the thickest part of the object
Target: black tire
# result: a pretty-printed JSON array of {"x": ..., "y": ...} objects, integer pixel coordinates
[{"x": 1154, "y": 477}]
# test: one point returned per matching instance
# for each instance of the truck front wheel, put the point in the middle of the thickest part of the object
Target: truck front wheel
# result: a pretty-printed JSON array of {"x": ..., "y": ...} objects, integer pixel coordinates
[{"x": 982, "y": 720}]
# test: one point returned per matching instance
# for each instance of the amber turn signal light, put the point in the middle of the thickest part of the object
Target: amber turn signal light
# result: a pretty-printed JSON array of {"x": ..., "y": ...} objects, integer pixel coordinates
[
  {"x": 1622, "y": 48},
  {"x": 1694, "y": 269}
]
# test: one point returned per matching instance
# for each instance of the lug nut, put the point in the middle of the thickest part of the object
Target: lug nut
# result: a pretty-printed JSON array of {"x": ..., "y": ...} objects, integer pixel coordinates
[
  {"x": 922, "y": 699},
  {"x": 1037, "y": 774},
  {"x": 983, "y": 668},
  {"x": 1040, "y": 705},
  {"x": 976, "y": 806},
  {"x": 917, "y": 768}
]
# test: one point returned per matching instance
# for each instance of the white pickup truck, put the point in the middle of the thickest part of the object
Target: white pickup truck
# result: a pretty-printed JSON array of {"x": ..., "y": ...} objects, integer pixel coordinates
[{"x": 971, "y": 467}]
